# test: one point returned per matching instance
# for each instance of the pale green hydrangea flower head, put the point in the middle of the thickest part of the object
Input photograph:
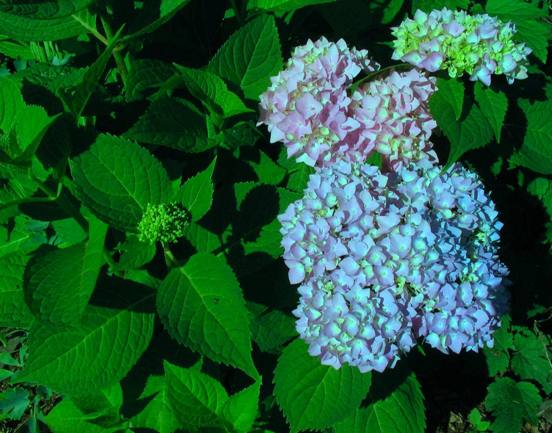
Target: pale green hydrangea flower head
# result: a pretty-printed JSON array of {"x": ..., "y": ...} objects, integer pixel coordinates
[{"x": 457, "y": 42}]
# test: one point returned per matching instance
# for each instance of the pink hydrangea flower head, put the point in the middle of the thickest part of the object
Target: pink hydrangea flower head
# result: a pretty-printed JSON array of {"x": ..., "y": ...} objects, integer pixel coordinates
[
  {"x": 306, "y": 105},
  {"x": 394, "y": 119},
  {"x": 458, "y": 42}
]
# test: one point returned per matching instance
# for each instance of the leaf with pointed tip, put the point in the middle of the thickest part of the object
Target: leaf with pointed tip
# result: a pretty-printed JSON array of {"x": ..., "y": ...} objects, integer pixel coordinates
[
  {"x": 42, "y": 20},
  {"x": 158, "y": 414},
  {"x": 536, "y": 151},
  {"x": 116, "y": 179},
  {"x": 202, "y": 307},
  {"x": 242, "y": 408},
  {"x": 173, "y": 123},
  {"x": 512, "y": 403},
  {"x": 97, "y": 352},
  {"x": 250, "y": 56},
  {"x": 59, "y": 282},
  {"x": 315, "y": 396},
  {"x": 212, "y": 91},
  {"x": 13, "y": 309},
  {"x": 196, "y": 398},
  {"x": 402, "y": 411},
  {"x": 197, "y": 192},
  {"x": 493, "y": 106},
  {"x": 472, "y": 131}
]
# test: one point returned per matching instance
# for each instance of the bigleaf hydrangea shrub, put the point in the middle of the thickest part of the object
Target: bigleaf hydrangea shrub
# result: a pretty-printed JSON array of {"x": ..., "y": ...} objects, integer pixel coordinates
[{"x": 260, "y": 216}]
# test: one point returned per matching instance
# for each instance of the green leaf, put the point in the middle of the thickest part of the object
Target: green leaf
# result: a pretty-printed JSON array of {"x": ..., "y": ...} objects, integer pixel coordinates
[
  {"x": 157, "y": 415},
  {"x": 283, "y": 6},
  {"x": 529, "y": 19},
  {"x": 497, "y": 357},
  {"x": 203, "y": 240},
  {"x": 144, "y": 75},
  {"x": 475, "y": 420},
  {"x": 429, "y": 5},
  {"x": 77, "y": 97},
  {"x": 23, "y": 125},
  {"x": 197, "y": 192},
  {"x": 472, "y": 131},
  {"x": 13, "y": 309},
  {"x": 267, "y": 170},
  {"x": 493, "y": 105},
  {"x": 66, "y": 417},
  {"x": 530, "y": 359},
  {"x": 60, "y": 282},
  {"x": 250, "y": 56},
  {"x": 272, "y": 329},
  {"x": 197, "y": 399},
  {"x": 14, "y": 403},
  {"x": 242, "y": 408},
  {"x": 202, "y": 307},
  {"x": 542, "y": 188},
  {"x": 512, "y": 403},
  {"x": 401, "y": 411},
  {"x": 212, "y": 91},
  {"x": 134, "y": 254},
  {"x": 536, "y": 151},
  {"x": 314, "y": 396},
  {"x": 117, "y": 178},
  {"x": 452, "y": 91},
  {"x": 42, "y": 20},
  {"x": 97, "y": 352},
  {"x": 174, "y": 123}
]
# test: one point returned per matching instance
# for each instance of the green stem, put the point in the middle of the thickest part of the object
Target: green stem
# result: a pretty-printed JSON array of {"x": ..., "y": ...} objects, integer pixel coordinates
[
  {"x": 119, "y": 60},
  {"x": 91, "y": 29},
  {"x": 237, "y": 11},
  {"x": 170, "y": 259},
  {"x": 372, "y": 75}
]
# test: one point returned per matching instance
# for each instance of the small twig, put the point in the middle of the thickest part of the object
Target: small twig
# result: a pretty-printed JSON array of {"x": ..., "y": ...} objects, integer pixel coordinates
[
  {"x": 119, "y": 60},
  {"x": 91, "y": 29},
  {"x": 372, "y": 75}
]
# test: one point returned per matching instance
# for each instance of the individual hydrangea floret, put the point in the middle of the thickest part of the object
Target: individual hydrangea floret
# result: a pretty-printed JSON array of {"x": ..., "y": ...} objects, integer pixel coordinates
[
  {"x": 306, "y": 105},
  {"x": 386, "y": 258},
  {"x": 394, "y": 119},
  {"x": 163, "y": 223},
  {"x": 479, "y": 45}
]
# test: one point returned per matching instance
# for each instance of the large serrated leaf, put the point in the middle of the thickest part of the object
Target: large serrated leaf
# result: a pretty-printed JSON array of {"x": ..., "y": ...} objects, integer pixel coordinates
[
  {"x": 314, "y": 396},
  {"x": 536, "y": 151},
  {"x": 97, "y": 352},
  {"x": 43, "y": 20},
  {"x": 197, "y": 399},
  {"x": 173, "y": 123},
  {"x": 250, "y": 56},
  {"x": 117, "y": 178},
  {"x": 212, "y": 91},
  {"x": 202, "y": 307},
  {"x": 402, "y": 411},
  {"x": 493, "y": 106},
  {"x": 158, "y": 414},
  {"x": 197, "y": 192},
  {"x": 471, "y": 131},
  {"x": 242, "y": 408},
  {"x": 59, "y": 282},
  {"x": 512, "y": 403},
  {"x": 13, "y": 309}
]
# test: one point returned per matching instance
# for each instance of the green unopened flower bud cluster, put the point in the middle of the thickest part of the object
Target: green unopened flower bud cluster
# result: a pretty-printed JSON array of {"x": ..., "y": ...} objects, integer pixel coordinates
[{"x": 163, "y": 223}]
